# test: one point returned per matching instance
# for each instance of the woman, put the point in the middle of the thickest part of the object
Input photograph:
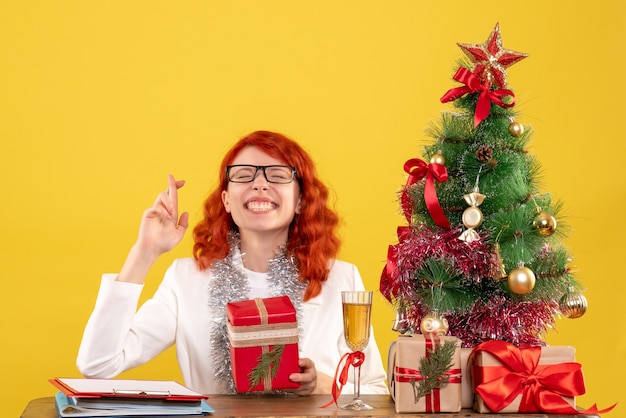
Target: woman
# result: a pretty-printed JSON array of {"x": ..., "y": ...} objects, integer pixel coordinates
[{"x": 267, "y": 231}]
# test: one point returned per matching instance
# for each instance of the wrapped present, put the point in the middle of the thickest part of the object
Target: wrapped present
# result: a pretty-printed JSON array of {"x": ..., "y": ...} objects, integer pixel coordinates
[
  {"x": 263, "y": 336},
  {"x": 508, "y": 379},
  {"x": 467, "y": 391},
  {"x": 415, "y": 388}
]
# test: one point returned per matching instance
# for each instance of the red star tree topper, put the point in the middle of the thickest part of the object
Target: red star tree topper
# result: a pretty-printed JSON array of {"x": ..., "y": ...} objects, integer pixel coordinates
[{"x": 491, "y": 58}]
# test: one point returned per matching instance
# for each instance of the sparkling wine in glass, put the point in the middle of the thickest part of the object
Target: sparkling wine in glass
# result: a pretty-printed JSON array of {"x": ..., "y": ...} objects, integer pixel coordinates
[{"x": 357, "y": 312}]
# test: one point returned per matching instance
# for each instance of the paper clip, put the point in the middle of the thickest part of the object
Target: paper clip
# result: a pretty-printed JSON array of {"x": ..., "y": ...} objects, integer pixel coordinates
[{"x": 140, "y": 392}]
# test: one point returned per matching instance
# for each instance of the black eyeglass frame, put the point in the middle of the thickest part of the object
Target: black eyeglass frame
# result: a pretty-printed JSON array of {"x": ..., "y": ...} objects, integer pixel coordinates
[{"x": 294, "y": 172}]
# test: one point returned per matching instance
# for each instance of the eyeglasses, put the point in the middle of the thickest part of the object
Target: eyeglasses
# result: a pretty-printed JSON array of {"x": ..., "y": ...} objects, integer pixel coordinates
[{"x": 244, "y": 173}]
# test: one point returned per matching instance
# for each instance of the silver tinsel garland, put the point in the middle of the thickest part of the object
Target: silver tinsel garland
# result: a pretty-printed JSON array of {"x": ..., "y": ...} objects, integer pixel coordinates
[{"x": 231, "y": 284}]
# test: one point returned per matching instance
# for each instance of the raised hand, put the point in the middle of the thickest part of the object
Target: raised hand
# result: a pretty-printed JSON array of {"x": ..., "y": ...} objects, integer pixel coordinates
[{"x": 161, "y": 230}]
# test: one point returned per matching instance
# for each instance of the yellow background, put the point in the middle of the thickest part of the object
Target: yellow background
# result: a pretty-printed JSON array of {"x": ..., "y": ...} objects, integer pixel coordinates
[{"x": 100, "y": 100}]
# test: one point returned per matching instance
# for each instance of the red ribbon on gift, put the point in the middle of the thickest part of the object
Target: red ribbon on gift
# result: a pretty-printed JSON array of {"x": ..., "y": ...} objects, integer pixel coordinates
[
  {"x": 354, "y": 359},
  {"x": 433, "y": 403},
  {"x": 417, "y": 170},
  {"x": 407, "y": 375},
  {"x": 542, "y": 386},
  {"x": 472, "y": 84}
]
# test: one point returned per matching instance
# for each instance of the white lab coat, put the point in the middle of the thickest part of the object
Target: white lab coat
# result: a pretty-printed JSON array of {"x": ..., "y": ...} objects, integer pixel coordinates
[{"x": 118, "y": 338}]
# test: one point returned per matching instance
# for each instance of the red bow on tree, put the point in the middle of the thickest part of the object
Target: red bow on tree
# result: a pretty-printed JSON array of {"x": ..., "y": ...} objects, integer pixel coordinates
[
  {"x": 417, "y": 170},
  {"x": 472, "y": 84}
]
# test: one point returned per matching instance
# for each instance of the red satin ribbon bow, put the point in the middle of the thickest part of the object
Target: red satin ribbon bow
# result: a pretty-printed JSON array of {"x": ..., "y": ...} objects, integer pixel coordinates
[
  {"x": 486, "y": 97},
  {"x": 542, "y": 386},
  {"x": 355, "y": 359},
  {"x": 418, "y": 169}
]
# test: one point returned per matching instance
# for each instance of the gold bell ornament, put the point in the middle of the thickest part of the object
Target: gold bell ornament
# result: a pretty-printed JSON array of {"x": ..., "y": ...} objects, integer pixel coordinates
[
  {"x": 573, "y": 304},
  {"x": 400, "y": 324},
  {"x": 499, "y": 272},
  {"x": 434, "y": 324}
]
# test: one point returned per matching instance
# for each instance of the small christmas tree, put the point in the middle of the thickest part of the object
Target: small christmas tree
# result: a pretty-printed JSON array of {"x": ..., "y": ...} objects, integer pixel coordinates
[{"x": 481, "y": 257}]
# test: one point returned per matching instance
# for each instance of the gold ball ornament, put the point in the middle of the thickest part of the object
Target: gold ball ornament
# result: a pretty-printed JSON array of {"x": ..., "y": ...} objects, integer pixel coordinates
[
  {"x": 516, "y": 129},
  {"x": 521, "y": 280},
  {"x": 573, "y": 304},
  {"x": 434, "y": 324},
  {"x": 438, "y": 159},
  {"x": 544, "y": 223}
]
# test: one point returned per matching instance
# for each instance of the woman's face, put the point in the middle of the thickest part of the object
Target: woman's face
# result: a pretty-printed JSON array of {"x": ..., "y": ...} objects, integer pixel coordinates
[{"x": 261, "y": 206}]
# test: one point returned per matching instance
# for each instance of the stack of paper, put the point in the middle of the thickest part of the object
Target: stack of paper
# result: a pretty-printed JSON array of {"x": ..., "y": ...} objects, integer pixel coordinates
[{"x": 127, "y": 398}]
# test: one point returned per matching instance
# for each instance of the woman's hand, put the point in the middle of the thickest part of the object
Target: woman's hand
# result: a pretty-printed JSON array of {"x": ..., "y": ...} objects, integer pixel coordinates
[
  {"x": 308, "y": 378},
  {"x": 161, "y": 230}
]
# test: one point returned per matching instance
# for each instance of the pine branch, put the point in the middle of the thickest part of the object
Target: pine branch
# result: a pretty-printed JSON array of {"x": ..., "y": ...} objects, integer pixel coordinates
[
  {"x": 267, "y": 365},
  {"x": 433, "y": 368},
  {"x": 440, "y": 285}
]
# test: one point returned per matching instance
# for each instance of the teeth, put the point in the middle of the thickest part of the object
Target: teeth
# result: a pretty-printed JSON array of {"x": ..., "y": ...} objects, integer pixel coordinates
[{"x": 260, "y": 206}]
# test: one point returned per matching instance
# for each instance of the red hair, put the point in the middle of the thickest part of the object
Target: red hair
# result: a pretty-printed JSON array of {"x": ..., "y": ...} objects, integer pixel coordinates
[{"x": 313, "y": 239}]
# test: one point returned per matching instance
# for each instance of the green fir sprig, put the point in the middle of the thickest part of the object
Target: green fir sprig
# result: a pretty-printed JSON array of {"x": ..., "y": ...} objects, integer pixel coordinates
[
  {"x": 267, "y": 365},
  {"x": 433, "y": 368},
  {"x": 440, "y": 285}
]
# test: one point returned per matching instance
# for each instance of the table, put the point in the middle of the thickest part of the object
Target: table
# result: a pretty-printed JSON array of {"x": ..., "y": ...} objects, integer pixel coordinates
[{"x": 295, "y": 406}]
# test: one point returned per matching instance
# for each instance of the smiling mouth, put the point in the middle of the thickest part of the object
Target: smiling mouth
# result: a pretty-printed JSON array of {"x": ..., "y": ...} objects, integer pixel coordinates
[{"x": 260, "y": 206}]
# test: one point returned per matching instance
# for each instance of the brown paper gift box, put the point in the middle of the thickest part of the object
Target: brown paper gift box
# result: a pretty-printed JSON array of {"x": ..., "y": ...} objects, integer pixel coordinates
[
  {"x": 549, "y": 355},
  {"x": 467, "y": 391},
  {"x": 404, "y": 362}
]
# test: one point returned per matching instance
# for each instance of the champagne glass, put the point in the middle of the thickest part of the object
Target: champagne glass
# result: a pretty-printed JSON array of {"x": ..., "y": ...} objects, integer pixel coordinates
[{"x": 357, "y": 312}]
